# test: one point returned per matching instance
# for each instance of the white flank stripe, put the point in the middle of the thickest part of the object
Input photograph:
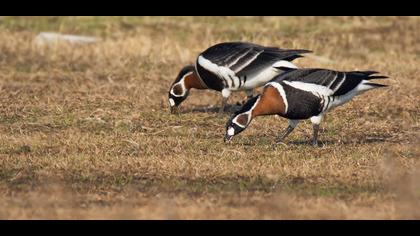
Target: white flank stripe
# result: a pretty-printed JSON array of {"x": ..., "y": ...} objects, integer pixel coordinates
[
  {"x": 221, "y": 71},
  {"x": 309, "y": 87},
  {"x": 282, "y": 94},
  {"x": 260, "y": 78}
]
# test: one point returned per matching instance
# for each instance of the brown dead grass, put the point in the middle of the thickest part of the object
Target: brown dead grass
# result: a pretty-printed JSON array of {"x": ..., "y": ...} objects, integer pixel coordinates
[{"x": 85, "y": 132}]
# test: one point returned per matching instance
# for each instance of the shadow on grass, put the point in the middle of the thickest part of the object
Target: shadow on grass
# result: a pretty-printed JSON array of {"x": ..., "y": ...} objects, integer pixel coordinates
[
  {"x": 368, "y": 139},
  {"x": 151, "y": 185},
  {"x": 361, "y": 140},
  {"x": 229, "y": 109}
]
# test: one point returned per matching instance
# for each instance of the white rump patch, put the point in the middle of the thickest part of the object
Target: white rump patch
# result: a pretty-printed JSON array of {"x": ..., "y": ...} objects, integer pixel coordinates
[
  {"x": 281, "y": 92},
  {"x": 361, "y": 88},
  {"x": 309, "y": 87},
  {"x": 171, "y": 102}
]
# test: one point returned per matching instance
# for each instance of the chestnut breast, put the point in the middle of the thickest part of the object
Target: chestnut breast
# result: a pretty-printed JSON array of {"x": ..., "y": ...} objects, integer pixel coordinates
[{"x": 270, "y": 103}]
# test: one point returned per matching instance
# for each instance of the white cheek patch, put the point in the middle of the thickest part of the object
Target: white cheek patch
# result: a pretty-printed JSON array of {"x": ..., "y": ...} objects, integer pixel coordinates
[
  {"x": 231, "y": 131},
  {"x": 171, "y": 102}
]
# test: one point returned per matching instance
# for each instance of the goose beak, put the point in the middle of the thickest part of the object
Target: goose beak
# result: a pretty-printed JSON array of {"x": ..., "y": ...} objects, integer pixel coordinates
[
  {"x": 227, "y": 138},
  {"x": 174, "y": 110}
]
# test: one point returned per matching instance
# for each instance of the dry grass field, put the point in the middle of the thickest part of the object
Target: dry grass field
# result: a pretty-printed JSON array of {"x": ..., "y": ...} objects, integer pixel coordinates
[{"x": 85, "y": 130}]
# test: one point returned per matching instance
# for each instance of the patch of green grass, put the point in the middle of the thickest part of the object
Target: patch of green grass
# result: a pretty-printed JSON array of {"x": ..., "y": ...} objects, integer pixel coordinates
[
  {"x": 10, "y": 119},
  {"x": 21, "y": 149},
  {"x": 332, "y": 190},
  {"x": 81, "y": 179}
]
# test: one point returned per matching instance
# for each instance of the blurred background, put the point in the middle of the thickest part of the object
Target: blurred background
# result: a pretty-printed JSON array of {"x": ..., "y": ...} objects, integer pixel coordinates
[{"x": 85, "y": 130}]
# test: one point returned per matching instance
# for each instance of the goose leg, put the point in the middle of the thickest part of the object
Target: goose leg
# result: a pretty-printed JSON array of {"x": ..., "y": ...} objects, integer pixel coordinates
[
  {"x": 222, "y": 106},
  {"x": 288, "y": 130},
  {"x": 316, "y": 120},
  {"x": 225, "y": 96},
  {"x": 315, "y": 140},
  {"x": 249, "y": 93}
]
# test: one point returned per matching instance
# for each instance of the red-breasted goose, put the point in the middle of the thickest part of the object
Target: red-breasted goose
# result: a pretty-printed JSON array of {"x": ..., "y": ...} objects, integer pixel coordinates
[
  {"x": 302, "y": 94},
  {"x": 232, "y": 66}
]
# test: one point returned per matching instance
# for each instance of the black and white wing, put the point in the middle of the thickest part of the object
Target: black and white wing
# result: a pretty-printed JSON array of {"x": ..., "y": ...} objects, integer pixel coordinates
[
  {"x": 327, "y": 82},
  {"x": 237, "y": 61},
  {"x": 241, "y": 57}
]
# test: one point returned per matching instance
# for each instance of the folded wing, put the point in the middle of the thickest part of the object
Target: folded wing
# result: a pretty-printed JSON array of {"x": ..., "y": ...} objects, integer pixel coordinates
[{"x": 326, "y": 82}]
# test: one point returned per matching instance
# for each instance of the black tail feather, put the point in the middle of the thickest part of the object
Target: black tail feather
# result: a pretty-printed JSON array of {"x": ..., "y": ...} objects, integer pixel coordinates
[
  {"x": 285, "y": 69},
  {"x": 368, "y": 72},
  {"x": 291, "y": 58},
  {"x": 377, "y": 77},
  {"x": 297, "y": 51},
  {"x": 368, "y": 75},
  {"x": 300, "y": 51},
  {"x": 296, "y": 54},
  {"x": 376, "y": 85}
]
